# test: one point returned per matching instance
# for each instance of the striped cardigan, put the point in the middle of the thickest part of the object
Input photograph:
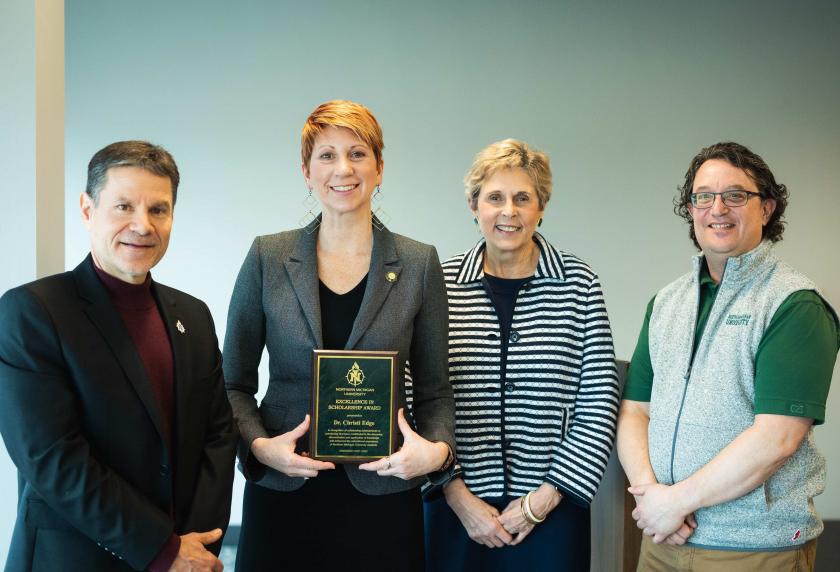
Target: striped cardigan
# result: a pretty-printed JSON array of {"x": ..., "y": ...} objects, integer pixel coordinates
[{"x": 552, "y": 417}]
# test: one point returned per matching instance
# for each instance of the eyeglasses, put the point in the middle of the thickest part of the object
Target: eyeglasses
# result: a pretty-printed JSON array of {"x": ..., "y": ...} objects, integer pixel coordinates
[{"x": 705, "y": 200}]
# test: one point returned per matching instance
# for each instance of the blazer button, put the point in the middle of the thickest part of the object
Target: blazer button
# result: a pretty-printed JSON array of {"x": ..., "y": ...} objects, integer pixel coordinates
[
  {"x": 514, "y": 336},
  {"x": 164, "y": 470},
  {"x": 509, "y": 386}
]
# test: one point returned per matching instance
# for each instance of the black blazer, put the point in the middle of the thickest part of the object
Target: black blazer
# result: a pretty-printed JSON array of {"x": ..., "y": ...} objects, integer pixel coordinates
[{"x": 98, "y": 488}]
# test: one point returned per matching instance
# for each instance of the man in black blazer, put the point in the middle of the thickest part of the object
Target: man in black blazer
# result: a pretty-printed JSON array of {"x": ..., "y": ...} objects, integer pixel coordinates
[{"x": 112, "y": 404}]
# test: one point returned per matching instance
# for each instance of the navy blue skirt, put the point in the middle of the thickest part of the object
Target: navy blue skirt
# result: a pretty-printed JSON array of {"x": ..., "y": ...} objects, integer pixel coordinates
[{"x": 560, "y": 543}]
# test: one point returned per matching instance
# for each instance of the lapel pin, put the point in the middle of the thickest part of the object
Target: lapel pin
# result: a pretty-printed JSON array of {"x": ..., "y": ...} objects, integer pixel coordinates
[
  {"x": 180, "y": 327},
  {"x": 391, "y": 276}
]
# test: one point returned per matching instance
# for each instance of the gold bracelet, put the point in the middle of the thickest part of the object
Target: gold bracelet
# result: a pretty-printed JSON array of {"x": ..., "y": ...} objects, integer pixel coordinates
[
  {"x": 533, "y": 519},
  {"x": 525, "y": 514},
  {"x": 526, "y": 510}
]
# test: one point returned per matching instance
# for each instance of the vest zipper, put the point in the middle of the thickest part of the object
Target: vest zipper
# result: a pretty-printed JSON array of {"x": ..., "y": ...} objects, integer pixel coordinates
[
  {"x": 679, "y": 414},
  {"x": 691, "y": 361}
]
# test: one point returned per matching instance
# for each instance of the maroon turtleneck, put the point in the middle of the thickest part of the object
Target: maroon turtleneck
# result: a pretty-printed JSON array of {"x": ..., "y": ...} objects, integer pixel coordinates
[{"x": 142, "y": 319}]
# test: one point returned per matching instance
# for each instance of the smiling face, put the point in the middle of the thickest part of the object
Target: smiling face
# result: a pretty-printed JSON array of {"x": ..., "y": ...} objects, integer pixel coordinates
[
  {"x": 507, "y": 210},
  {"x": 342, "y": 172},
  {"x": 723, "y": 231},
  {"x": 129, "y": 226}
]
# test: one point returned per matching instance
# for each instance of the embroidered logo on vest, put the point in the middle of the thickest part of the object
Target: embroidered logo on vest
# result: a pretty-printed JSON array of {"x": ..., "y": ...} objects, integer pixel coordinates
[{"x": 738, "y": 319}]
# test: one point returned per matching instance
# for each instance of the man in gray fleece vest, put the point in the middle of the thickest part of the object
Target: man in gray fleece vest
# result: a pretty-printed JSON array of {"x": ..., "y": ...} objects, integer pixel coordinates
[{"x": 730, "y": 374}]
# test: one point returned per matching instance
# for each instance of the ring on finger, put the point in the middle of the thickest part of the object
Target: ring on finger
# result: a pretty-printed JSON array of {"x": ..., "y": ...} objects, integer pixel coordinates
[{"x": 388, "y": 458}]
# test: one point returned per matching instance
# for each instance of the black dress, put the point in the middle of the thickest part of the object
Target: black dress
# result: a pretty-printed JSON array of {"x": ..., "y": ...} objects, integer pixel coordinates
[{"x": 327, "y": 523}]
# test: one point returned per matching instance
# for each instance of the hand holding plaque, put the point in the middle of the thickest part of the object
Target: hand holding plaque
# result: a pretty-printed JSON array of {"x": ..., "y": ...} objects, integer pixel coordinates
[
  {"x": 417, "y": 456},
  {"x": 278, "y": 452}
]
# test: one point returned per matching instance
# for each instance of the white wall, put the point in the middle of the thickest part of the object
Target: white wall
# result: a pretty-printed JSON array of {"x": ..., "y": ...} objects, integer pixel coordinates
[
  {"x": 17, "y": 145},
  {"x": 17, "y": 188},
  {"x": 32, "y": 166},
  {"x": 621, "y": 96}
]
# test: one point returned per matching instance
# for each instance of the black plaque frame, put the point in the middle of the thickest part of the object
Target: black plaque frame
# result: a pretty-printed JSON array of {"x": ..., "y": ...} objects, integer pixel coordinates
[{"x": 323, "y": 393}]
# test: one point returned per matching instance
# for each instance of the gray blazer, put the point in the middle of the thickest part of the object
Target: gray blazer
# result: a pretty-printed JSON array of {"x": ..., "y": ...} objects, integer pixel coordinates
[{"x": 275, "y": 304}]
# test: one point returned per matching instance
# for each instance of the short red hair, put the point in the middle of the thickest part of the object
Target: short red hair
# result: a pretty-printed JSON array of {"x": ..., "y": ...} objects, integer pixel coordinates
[{"x": 341, "y": 113}]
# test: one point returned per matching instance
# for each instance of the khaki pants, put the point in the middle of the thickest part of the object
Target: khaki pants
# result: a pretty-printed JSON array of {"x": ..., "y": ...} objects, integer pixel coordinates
[{"x": 669, "y": 558}]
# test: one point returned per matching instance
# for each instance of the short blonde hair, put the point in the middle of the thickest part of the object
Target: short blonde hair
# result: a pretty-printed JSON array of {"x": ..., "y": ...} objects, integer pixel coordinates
[
  {"x": 341, "y": 113},
  {"x": 509, "y": 154}
]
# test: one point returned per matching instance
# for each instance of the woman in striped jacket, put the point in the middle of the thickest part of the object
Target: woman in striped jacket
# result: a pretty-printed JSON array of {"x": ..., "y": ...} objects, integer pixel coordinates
[{"x": 532, "y": 366}]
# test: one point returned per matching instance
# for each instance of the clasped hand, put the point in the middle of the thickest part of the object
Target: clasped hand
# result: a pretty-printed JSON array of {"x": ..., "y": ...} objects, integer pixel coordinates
[
  {"x": 194, "y": 557},
  {"x": 416, "y": 457},
  {"x": 660, "y": 514},
  {"x": 543, "y": 500},
  {"x": 480, "y": 519},
  {"x": 486, "y": 525}
]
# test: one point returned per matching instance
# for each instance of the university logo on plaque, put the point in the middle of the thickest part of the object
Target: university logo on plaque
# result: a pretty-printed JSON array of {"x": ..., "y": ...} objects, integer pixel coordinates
[{"x": 355, "y": 376}]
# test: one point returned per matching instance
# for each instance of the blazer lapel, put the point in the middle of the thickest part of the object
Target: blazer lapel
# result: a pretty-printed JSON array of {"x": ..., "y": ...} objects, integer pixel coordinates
[
  {"x": 106, "y": 319},
  {"x": 177, "y": 332},
  {"x": 302, "y": 268},
  {"x": 384, "y": 272}
]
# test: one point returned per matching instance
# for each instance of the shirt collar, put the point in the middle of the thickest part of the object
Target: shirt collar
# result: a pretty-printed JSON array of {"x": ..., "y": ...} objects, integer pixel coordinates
[
  {"x": 740, "y": 268},
  {"x": 550, "y": 264},
  {"x": 705, "y": 276}
]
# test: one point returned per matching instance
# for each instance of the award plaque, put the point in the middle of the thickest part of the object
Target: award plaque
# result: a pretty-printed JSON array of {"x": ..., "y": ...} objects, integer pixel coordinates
[{"x": 354, "y": 415}]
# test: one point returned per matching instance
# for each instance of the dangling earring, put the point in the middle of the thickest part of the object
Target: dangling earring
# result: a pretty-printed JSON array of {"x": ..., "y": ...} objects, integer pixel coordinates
[
  {"x": 475, "y": 221},
  {"x": 378, "y": 216},
  {"x": 307, "y": 220},
  {"x": 540, "y": 222}
]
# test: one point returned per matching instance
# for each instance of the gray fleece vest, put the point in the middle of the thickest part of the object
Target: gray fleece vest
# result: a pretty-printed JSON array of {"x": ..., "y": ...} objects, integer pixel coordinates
[{"x": 698, "y": 408}]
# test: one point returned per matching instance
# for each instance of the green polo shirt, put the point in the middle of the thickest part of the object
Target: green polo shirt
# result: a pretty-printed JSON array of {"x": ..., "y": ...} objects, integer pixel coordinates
[{"x": 793, "y": 364}]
